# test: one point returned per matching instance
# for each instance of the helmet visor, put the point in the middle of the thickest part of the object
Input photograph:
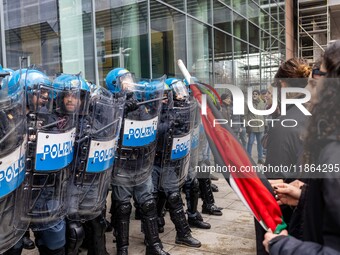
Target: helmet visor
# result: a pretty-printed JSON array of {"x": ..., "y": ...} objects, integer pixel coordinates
[{"x": 180, "y": 90}]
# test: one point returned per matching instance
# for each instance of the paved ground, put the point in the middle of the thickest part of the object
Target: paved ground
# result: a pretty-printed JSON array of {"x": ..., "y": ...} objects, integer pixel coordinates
[{"x": 232, "y": 233}]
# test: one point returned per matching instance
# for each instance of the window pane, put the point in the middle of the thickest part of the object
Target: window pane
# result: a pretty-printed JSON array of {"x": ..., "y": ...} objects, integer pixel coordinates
[
  {"x": 241, "y": 63},
  {"x": 199, "y": 9},
  {"x": 223, "y": 65},
  {"x": 240, "y": 6},
  {"x": 254, "y": 67},
  {"x": 122, "y": 39},
  {"x": 222, "y": 17},
  {"x": 200, "y": 51},
  {"x": 167, "y": 40},
  {"x": 253, "y": 12},
  {"x": 254, "y": 33},
  {"x": 33, "y": 34},
  {"x": 175, "y": 3},
  {"x": 240, "y": 27}
]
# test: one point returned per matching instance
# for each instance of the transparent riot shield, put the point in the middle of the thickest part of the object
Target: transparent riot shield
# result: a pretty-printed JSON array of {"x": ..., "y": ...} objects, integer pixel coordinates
[
  {"x": 173, "y": 150},
  {"x": 13, "y": 142},
  {"x": 98, "y": 133},
  {"x": 194, "y": 147},
  {"x": 52, "y": 121},
  {"x": 137, "y": 143}
]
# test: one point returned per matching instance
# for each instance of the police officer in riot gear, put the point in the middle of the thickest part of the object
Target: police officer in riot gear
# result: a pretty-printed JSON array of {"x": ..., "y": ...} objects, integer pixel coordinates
[
  {"x": 52, "y": 115},
  {"x": 97, "y": 133},
  {"x": 12, "y": 169},
  {"x": 133, "y": 162},
  {"x": 172, "y": 157},
  {"x": 191, "y": 185}
]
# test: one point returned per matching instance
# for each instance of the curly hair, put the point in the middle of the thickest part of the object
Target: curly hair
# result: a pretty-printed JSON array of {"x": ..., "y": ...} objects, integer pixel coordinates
[{"x": 325, "y": 120}]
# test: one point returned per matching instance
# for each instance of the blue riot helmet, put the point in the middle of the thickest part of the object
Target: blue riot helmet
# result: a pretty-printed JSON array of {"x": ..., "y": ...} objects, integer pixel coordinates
[
  {"x": 4, "y": 72},
  {"x": 180, "y": 92},
  {"x": 8, "y": 90},
  {"x": 12, "y": 110},
  {"x": 115, "y": 79},
  {"x": 38, "y": 88},
  {"x": 66, "y": 92}
]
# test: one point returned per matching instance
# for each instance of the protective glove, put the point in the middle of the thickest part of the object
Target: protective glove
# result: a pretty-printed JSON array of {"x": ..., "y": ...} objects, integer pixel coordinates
[{"x": 131, "y": 104}]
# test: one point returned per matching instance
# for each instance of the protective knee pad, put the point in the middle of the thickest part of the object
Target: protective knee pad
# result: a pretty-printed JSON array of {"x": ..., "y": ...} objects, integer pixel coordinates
[
  {"x": 124, "y": 210},
  {"x": 75, "y": 235},
  {"x": 149, "y": 207},
  {"x": 174, "y": 200}
]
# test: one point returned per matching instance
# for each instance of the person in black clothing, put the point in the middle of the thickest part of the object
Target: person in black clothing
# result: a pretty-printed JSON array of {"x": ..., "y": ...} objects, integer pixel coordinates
[
  {"x": 320, "y": 202},
  {"x": 284, "y": 144}
]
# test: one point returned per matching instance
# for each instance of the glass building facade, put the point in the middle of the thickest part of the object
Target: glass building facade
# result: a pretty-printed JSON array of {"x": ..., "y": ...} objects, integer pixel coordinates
[{"x": 238, "y": 42}]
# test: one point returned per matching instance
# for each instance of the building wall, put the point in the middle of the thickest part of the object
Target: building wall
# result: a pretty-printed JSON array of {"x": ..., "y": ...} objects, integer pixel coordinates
[{"x": 239, "y": 42}]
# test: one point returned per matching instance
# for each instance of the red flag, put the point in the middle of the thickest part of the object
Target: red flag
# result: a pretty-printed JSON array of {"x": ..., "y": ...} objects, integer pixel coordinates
[{"x": 255, "y": 192}]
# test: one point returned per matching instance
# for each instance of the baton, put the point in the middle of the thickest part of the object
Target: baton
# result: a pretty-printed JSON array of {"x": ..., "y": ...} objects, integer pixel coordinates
[{"x": 151, "y": 100}]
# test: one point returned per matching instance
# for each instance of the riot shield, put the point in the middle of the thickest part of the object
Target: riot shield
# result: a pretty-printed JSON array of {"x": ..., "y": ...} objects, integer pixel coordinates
[
  {"x": 96, "y": 143},
  {"x": 13, "y": 142},
  {"x": 137, "y": 143},
  {"x": 173, "y": 149},
  {"x": 52, "y": 120},
  {"x": 194, "y": 146}
]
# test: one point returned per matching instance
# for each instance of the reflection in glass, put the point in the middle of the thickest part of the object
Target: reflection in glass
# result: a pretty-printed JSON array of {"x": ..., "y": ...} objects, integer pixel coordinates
[
  {"x": 222, "y": 17},
  {"x": 200, "y": 10},
  {"x": 241, "y": 63},
  {"x": 223, "y": 64},
  {"x": 122, "y": 38},
  {"x": 240, "y": 27},
  {"x": 167, "y": 40},
  {"x": 199, "y": 54}
]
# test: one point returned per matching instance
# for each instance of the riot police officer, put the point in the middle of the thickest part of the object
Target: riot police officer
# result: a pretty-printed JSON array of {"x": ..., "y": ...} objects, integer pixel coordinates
[
  {"x": 172, "y": 157},
  {"x": 133, "y": 162},
  {"x": 52, "y": 115},
  {"x": 12, "y": 169},
  {"x": 97, "y": 133},
  {"x": 191, "y": 185}
]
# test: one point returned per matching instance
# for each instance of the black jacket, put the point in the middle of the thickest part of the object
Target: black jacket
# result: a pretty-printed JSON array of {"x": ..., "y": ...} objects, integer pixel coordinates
[
  {"x": 321, "y": 228},
  {"x": 284, "y": 145}
]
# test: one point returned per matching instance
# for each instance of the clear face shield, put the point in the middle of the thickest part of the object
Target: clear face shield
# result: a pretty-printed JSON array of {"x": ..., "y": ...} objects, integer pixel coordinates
[
  {"x": 40, "y": 99},
  {"x": 68, "y": 101},
  {"x": 180, "y": 91},
  {"x": 126, "y": 83}
]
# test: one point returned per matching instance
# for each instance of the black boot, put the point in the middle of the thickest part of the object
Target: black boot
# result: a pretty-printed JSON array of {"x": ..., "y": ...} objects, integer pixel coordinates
[
  {"x": 177, "y": 216},
  {"x": 149, "y": 219},
  {"x": 28, "y": 243},
  {"x": 208, "y": 206},
  {"x": 214, "y": 187},
  {"x": 194, "y": 217},
  {"x": 196, "y": 221},
  {"x": 121, "y": 227},
  {"x": 98, "y": 246}
]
